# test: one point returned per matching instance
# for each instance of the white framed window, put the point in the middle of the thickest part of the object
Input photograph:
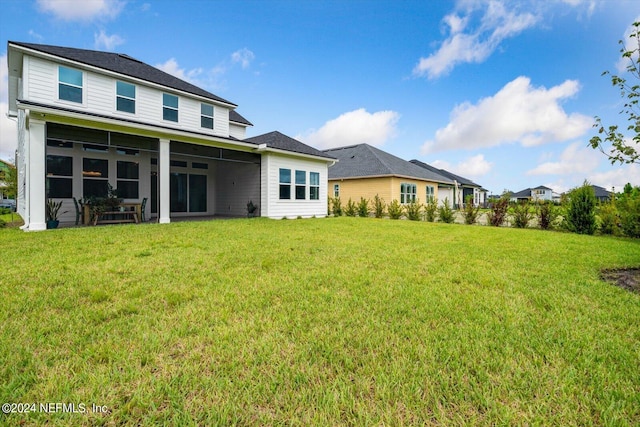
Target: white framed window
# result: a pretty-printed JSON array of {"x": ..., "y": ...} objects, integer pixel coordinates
[
  {"x": 285, "y": 184},
  {"x": 430, "y": 193},
  {"x": 407, "y": 193},
  {"x": 314, "y": 186},
  {"x": 169, "y": 107},
  {"x": 336, "y": 190},
  {"x": 70, "y": 84},
  {"x": 301, "y": 185},
  {"x": 206, "y": 116},
  {"x": 125, "y": 97}
]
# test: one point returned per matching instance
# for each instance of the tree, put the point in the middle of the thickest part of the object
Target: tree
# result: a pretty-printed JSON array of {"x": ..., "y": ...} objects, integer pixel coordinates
[
  {"x": 623, "y": 150},
  {"x": 581, "y": 212},
  {"x": 10, "y": 181}
]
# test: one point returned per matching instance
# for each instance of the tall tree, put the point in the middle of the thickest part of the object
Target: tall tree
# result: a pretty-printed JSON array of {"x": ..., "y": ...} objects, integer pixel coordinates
[{"x": 624, "y": 149}]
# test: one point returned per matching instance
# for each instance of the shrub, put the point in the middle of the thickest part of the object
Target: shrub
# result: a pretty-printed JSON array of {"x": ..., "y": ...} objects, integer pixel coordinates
[
  {"x": 337, "y": 206},
  {"x": 378, "y": 207},
  {"x": 630, "y": 216},
  {"x": 609, "y": 218},
  {"x": 5, "y": 211},
  {"x": 470, "y": 211},
  {"x": 546, "y": 214},
  {"x": 581, "y": 212},
  {"x": 394, "y": 209},
  {"x": 522, "y": 214},
  {"x": 3, "y": 224},
  {"x": 430, "y": 209},
  {"x": 498, "y": 213},
  {"x": 413, "y": 211},
  {"x": 445, "y": 212},
  {"x": 363, "y": 207},
  {"x": 351, "y": 209}
]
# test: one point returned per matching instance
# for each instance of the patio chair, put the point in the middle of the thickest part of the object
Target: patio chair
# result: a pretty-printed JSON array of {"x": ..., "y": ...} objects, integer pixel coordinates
[
  {"x": 142, "y": 208},
  {"x": 78, "y": 206}
]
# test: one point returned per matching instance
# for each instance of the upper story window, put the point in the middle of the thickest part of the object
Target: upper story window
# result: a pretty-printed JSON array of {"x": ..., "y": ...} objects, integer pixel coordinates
[
  {"x": 169, "y": 107},
  {"x": 125, "y": 97},
  {"x": 407, "y": 193},
  {"x": 206, "y": 116},
  {"x": 336, "y": 190},
  {"x": 69, "y": 84}
]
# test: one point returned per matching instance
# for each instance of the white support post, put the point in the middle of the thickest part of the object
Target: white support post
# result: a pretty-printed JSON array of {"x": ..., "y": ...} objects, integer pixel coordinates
[
  {"x": 164, "y": 167},
  {"x": 36, "y": 214}
]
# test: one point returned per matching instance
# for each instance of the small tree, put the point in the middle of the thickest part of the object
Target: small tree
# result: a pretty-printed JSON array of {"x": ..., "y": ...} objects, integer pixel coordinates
[
  {"x": 470, "y": 211},
  {"x": 624, "y": 150},
  {"x": 351, "y": 209},
  {"x": 581, "y": 212},
  {"x": 10, "y": 180},
  {"x": 413, "y": 211},
  {"x": 430, "y": 209},
  {"x": 498, "y": 213},
  {"x": 522, "y": 214},
  {"x": 336, "y": 206},
  {"x": 378, "y": 207},
  {"x": 629, "y": 209},
  {"x": 546, "y": 213},
  {"x": 394, "y": 209},
  {"x": 363, "y": 207},
  {"x": 445, "y": 212}
]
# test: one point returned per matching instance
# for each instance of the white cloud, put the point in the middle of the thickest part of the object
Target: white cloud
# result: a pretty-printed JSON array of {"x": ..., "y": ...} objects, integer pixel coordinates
[
  {"x": 577, "y": 158},
  {"x": 354, "y": 127},
  {"x": 519, "y": 112},
  {"x": 103, "y": 41},
  {"x": 243, "y": 56},
  {"x": 466, "y": 44},
  {"x": 171, "y": 66},
  {"x": 617, "y": 177},
  {"x": 630, "y": 44},
  {"x": 85, "y": 10},
  {"x": 474, "y": 166},
  {"x": 8, "y": 127}
]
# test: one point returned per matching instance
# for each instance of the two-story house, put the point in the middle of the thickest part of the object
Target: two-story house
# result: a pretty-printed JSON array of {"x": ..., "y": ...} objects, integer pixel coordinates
[
  {"x": 88, "y": 120},
  {"x": 540, "y": 193}
]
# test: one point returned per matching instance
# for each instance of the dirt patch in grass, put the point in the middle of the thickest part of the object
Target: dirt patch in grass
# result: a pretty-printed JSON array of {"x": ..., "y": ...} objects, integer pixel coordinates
[{"x": 626, "y": 278}]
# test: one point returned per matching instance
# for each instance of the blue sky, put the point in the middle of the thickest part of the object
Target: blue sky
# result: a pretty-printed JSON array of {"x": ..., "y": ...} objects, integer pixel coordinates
[{"x": 502, "y": 92}]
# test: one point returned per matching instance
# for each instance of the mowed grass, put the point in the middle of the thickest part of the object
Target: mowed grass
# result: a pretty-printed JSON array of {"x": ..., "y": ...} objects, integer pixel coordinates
[{"x": 344, "y": 321}]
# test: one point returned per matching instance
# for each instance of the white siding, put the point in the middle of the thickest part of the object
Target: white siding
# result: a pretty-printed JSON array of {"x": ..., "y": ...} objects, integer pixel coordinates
[
  {"x": 221, "y": 120},
  {"x": 237, "y": 131},
  {"x": 276, "y": 208},
  {"x": 41, "y": 80}
]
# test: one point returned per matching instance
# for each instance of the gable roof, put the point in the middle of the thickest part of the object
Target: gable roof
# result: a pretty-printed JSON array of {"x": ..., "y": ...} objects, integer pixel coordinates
[
  {"x": 526, "y": 193},
  {"x": 281, "y": 141},
  {"x": 601, "y": 192},
  {"x": 461, "y": 180},
  {"x": 363, "y": 160},
  {"x": 123, "y": 64}
]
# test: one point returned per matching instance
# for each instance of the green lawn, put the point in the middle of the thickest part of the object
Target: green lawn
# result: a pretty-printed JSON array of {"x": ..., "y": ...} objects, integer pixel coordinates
[{"x": 344, "y": 321}]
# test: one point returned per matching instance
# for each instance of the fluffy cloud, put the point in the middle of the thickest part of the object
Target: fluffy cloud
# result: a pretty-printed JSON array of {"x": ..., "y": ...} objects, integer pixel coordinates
[
  {"x": 86, "y": 10},
  {"x": 354, "y": 127},
  {"x": 103, "y": 41},
  {"x": 474, "y": 166},
  {"x": 243, "y": 56},
  {"x": 617, "y": 177},
  {"x": 8, "y": 127},
  {"x": 467, "y": 44},
  {"x": 577, "y": 158},
  {"x": 519, "y": 112},
  {"x": 630, "y": 44},
  {"x": 171, "y": 67}
]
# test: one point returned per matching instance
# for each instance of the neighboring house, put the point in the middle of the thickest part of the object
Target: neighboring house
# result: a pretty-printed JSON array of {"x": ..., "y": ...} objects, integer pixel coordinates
[
  {"x": 601, "y": 193},
  {"x": 87, "y": 119},
  {"x": 533, "y": 194},
  {"x": 461, "y": 189},
  {"x": 366, "y": 171}
]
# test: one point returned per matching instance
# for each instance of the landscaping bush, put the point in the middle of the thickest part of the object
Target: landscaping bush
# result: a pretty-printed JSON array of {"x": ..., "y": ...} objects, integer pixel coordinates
[
  {"x": 522, "y": 214},
  {"x": 337, "y": 206},
  {"x": 609, "y": 218},
  {"x": 445, "y": 212},
  {"x": 470, "y": 211},
  {"x": 394, "y": 209},
  {"x": 630, "y": 217},
  {"x": 413, "y": 211},
  {"x": 378, "y": 207},
  {"x": 498, "y": 213},
  {"x": 430, "y": 209},
  {"x": 3, "y": 224},
  {"x": 546, "y": 213},
  {"x": 363, "y": 207},
  {"x": 351, "y": 209},
  {"x": 581, "y": 211}
]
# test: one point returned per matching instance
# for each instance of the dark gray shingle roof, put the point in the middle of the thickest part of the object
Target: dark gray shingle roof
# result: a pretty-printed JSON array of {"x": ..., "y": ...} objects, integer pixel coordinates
[
  {"x": 363, "y": 160},
  {"x": 280, "y": 141},
  {"x": 122, "y": 64},
  {"x": 460, "y": 179}
]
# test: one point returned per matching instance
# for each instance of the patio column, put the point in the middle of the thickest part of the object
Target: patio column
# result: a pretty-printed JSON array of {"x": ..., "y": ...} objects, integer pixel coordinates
[
  {"x": 36, "y": 166},
  {"x": 164, "y": 167}
]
